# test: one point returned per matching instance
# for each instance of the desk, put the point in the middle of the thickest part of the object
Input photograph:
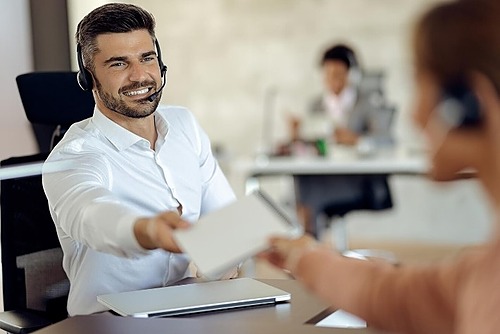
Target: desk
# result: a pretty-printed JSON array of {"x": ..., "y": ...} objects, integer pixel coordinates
[
  {"x": 339, "y": 177},
  {"x": 343, "y": 161},
  {"x": 288, "y": 318}
]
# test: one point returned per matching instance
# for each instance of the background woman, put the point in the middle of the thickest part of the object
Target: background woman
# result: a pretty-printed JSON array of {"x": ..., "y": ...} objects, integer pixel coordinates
[{"x": 457, "y": 51}]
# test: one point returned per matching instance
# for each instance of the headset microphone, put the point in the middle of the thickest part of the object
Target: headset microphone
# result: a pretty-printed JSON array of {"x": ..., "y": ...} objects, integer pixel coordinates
[{"x": 153, "y": 96}]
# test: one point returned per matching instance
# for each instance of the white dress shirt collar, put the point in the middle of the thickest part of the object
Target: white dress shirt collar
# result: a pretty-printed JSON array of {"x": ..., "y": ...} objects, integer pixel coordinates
[
  {"x": 122, "y": 138},
  {"x": 338, "y": 106}
]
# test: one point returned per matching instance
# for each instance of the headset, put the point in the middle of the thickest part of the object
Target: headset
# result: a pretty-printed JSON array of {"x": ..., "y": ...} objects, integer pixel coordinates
[
  {"x": 85, "y": 79},
  {"x": 355, "y": 71},
  {"x": 459, "y": 106},
  {"x": 351, "y": 57}
]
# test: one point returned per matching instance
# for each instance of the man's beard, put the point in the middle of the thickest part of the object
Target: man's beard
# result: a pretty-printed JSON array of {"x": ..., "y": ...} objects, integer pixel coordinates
[{"x": 143, "y": 107}]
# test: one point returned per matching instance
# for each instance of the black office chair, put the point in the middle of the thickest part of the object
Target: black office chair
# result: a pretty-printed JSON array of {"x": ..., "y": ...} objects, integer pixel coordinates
[
  {"x": 375, "y": 195},
  {"x": 53, "y": 100},
  {"x": 35, "y": 287},
  {"x": 328, "y": 199}
]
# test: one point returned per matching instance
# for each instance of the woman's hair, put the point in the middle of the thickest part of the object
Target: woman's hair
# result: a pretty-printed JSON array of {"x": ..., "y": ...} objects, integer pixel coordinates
[
  {"x": 455, "y": 38},
  {"x": 110, "y": 18}
]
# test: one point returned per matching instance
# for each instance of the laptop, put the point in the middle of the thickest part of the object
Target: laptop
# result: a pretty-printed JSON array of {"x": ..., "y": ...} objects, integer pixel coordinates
[{"x": 193, "y": 298}]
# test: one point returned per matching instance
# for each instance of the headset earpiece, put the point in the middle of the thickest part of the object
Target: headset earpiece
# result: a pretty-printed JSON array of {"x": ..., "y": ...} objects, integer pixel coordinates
[
  {"x": 84, "y": 77},
  {"x": 353, "y": 62},
  {"x": 459, "y": 106}
]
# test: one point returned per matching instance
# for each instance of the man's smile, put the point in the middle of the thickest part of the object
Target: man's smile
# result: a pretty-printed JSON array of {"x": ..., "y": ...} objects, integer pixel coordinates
[{"x": 141, "y": 91}]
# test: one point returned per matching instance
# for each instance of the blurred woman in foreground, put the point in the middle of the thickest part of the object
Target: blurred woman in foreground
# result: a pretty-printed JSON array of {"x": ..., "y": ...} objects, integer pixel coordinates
[{"x": 457, "y": 52}]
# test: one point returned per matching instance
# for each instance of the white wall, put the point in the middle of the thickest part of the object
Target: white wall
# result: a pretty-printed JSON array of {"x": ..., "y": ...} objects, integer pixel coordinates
[
  {"x": 16, "y": 137},
  {"x": 453, "y": 213},
  {"x": 223, "y": 56},
  {"x": 77, "y": 9}
]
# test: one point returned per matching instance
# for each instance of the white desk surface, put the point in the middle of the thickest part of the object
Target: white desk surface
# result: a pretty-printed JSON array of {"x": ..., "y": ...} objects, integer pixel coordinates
[{"x": 342, "y": 161}]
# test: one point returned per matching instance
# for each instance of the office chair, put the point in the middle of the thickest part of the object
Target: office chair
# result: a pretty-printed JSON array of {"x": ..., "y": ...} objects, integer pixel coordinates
[
  {"x": 328, "y": 199},
  {"x": 35, "y": 286},
  {"x": 53, "y": 100},
  {"x": 375, "y": 195}
]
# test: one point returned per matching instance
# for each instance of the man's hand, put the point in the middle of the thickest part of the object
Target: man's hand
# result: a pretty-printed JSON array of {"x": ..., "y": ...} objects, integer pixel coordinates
[
  {"x": 231, "y": 273},
  {"x": 157, "y": 231}
]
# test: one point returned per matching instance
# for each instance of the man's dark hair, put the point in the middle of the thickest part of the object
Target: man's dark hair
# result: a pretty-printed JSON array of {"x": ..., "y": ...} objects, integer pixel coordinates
[
  {"x": 341, "y": 53},
  {"x": 110, "y": 18}
]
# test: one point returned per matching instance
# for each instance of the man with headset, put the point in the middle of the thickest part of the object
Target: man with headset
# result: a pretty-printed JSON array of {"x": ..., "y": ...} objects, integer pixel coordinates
[{"x": 137, "y": 170}]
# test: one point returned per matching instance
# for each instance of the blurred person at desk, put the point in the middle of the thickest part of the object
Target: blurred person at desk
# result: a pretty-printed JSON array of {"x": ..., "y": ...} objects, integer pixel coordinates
[
  {"x": 351, "y": 109},
  {"x": 457, "y": 105},
  {"x": 137, "y": 170},
  {"x": 351, "y": 112}
]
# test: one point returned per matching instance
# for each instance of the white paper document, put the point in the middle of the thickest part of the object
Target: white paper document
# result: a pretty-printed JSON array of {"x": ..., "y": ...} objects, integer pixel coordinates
[
  {"x": 342, "y": 319},
  {"x": 226, "y": 237}
]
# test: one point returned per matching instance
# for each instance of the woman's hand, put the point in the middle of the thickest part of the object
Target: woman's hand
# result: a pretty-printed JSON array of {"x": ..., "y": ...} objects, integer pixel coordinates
[{"x": 285, "y": 253}]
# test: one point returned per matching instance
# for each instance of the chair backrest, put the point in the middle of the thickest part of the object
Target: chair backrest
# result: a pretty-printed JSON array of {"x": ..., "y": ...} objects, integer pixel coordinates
[
  {"x": 54, "y": 99},
  {"x": 33, "y": 277}
]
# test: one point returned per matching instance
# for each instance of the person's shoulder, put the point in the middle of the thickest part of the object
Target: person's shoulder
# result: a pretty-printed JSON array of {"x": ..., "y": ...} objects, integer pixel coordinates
[
  {"x": 77, "y": 132},
  {"x": 370, "y": 97},
  {"x": 79, "y": 138},
  {"x": 173, "y": 111},
  {"x": 177, "y": 116}
]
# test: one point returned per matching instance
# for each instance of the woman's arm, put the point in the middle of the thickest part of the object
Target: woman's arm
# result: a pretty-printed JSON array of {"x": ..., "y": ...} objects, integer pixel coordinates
[{"x": 408, "y": 299}]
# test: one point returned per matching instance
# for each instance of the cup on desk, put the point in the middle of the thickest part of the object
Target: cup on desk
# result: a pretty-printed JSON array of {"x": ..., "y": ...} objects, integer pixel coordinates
[
  {"x": 322, "y": 147},
  {"x": 365, "y": 147}
]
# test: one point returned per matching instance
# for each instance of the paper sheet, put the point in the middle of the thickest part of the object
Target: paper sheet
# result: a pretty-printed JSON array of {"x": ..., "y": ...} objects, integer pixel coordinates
[
  {"x": 224, "y": 238},
  {"x": 342, "y": 319}
]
